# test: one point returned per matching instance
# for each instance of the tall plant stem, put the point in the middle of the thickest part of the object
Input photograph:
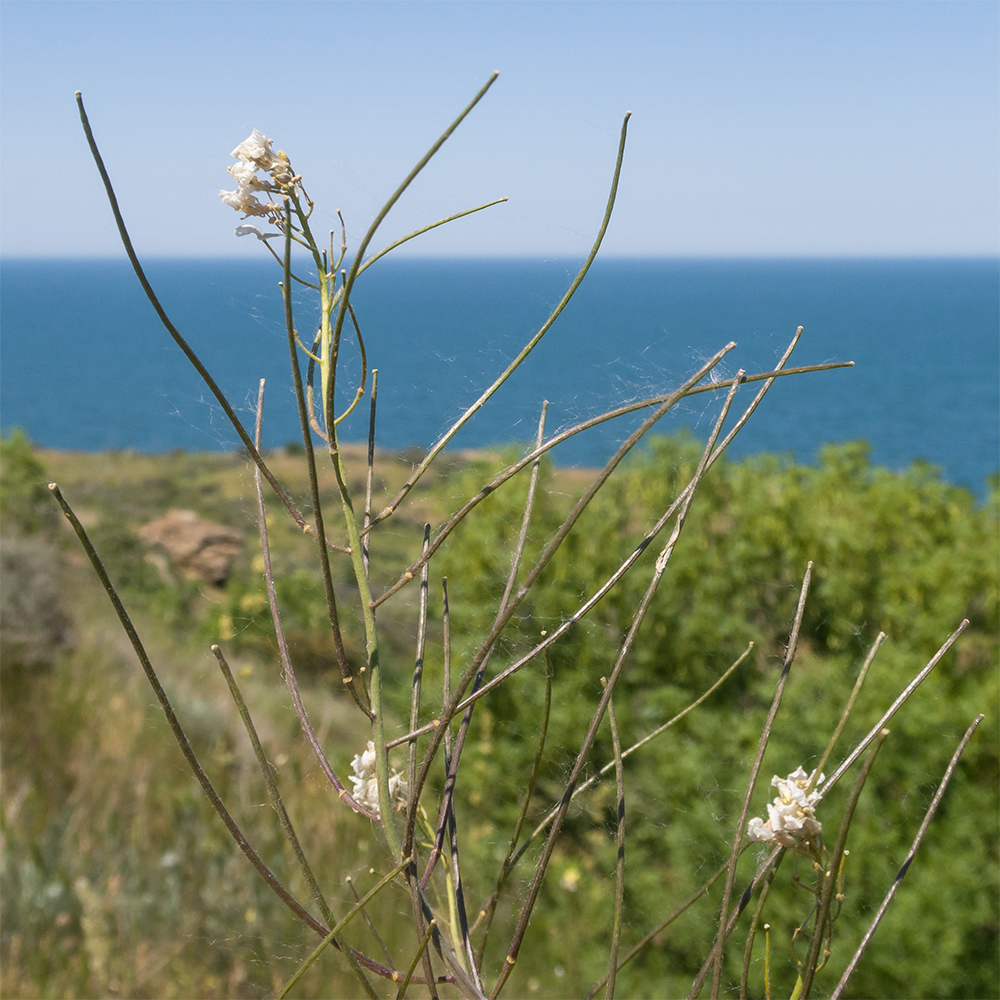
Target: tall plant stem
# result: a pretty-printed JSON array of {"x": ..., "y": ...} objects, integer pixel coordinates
[
  {"x": 286, "y": 661},
  {"x": 350, "y": 518},
  {"x": 616, "y": 933},
  {"x": 765, "y": 735},
  {"x": 346, "y": 674}
]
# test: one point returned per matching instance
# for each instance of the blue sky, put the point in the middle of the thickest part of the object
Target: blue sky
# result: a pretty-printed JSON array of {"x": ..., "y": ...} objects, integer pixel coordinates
[{"x": 777, "y": 128}]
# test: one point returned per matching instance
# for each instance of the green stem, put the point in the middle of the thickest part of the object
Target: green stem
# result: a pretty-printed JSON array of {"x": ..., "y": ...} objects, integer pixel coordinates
[
  {"x": 357, "y": 262},
  {"x": 334, "y": 931},
  {"x": 347, "y": 675},
  {"x": 530, "y": 346},
  {"x": 372, "y": 650},
  {"x": 823, "y": 925},
  {"x": 616, "y": 933}
]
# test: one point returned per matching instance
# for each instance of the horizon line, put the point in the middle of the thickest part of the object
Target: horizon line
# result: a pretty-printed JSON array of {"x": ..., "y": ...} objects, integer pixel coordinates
[{"x": 233, "y": 258}]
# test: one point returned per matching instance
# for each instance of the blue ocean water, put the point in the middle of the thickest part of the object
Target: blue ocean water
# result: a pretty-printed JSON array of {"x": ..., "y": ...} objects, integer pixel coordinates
[{"x": 85, "y": 364}]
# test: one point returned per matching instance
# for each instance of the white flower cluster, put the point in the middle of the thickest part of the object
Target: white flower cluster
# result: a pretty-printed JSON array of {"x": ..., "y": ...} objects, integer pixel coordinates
[
  {"x": 365, "y": 782},
  {"x": 251, "y": 155},
  {"x": 791, "y": 816}
]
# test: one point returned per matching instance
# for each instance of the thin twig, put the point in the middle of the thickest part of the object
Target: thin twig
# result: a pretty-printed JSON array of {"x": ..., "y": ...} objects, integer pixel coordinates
[
  {"x": 489, "y": 909},
  {"x": 463, "y": 729},
  {"x": 411, "y": 968},
  {"x": 594, "y": 778},
  {"x": 752, "y": 930},
  {"x": 855, "y": 691},
  {"x": 822, "y": 928},
  {"x": 666, "y": 725},
  {"x": 356, "y": 908},
  {"x": 360, "y": 391},
  {"x": 616, "y": 931},
  {"x": 273, "y": 794},
  {"x": 893, "y": 709},
  {"x": 372, "y": 929},
  {"x": 418, "y": 674},
  {"x": 286, "y": 662},
  {"x": 487, "y": 912},
  {"x": 660, "y": 927},
  {"x": 174, "y": 723},
  {"x": 904, "y": 868},
  {"x": 412, "y": 799},
  {"x": 173, "y": 331},
  {"x": 624, "y": 650},
  {"x": 718, "y": 948},
  {"x": 530, "y": 345},
  {"x": 369, "y": 478},
  {"x": 348, "y": 286},
  {"x": 426, "y": 229}
]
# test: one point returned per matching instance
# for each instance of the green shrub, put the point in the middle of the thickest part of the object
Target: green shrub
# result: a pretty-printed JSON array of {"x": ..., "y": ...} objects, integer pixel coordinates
[
  {"x": 25, "y": 502},
  {"x": 905, "y": 553}
]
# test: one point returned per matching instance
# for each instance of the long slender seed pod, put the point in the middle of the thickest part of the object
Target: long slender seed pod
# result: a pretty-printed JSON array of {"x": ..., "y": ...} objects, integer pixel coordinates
[{"x": 172, "y": 330}]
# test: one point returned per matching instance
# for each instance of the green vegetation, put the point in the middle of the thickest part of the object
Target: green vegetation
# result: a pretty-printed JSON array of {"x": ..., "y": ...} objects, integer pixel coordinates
[
  {"x": 906, "y": 554},
  {"x": 118, "y": 880},
  {"x": 35, "y": 625}
]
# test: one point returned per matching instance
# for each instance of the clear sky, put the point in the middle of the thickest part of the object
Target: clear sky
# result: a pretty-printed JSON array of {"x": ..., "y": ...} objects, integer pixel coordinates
[{"x": 758, "y": 128}]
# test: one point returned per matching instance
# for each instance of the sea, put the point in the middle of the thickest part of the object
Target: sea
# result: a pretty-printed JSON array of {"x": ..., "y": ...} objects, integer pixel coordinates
[{"x": 85, "y": 365}]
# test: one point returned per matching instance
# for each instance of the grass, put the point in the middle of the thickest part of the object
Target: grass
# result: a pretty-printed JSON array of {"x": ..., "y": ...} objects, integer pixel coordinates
[{"x": 119, "y": 881}]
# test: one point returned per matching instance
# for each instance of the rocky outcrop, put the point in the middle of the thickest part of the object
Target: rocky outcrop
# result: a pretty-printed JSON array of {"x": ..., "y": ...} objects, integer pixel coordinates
[{"x": 193, "y": 546}]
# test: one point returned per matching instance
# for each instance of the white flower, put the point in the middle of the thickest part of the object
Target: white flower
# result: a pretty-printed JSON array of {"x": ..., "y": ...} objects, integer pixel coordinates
[
  {"x": 243, "y": 201},
  {"x": 365, "y": 782},
  {"x": 257, "y": 148},
  {"x": 254, "y": 231},
  {"x": 791, "y": 816},
  {"x": 252, "y": 155},
  {"x": 245, "y": 172}
]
